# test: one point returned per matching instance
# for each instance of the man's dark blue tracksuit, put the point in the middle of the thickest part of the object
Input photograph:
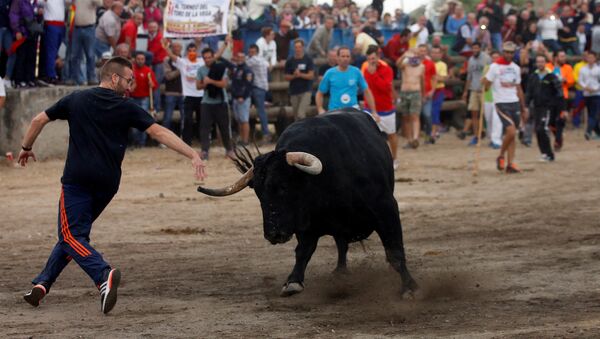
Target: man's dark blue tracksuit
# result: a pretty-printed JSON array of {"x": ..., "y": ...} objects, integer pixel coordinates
[{"x": 99, "y": 121}]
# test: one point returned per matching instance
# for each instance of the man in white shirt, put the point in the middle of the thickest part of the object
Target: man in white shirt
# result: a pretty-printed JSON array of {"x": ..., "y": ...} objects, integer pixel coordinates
[
  {"x": 54, "y": 32},
  {"x": 548, "y": 27},
  {"x": 258, "y": 14},
  {"x": 504, "y": 77},
  {"x": 192, "y": 101},
  {"x": 419, "y": 30},
  {"x": 589, "y": 80}
]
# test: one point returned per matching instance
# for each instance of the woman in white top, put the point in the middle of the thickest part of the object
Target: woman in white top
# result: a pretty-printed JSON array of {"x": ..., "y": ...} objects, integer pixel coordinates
[{"x": 267, "y": 48}]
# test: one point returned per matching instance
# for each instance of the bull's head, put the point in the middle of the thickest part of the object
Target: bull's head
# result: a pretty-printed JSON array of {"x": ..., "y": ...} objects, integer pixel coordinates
[{"x": 281, "y": 181}]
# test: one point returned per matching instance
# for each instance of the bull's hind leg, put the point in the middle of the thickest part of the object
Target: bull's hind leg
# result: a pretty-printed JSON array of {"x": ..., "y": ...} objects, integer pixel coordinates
[
  {"x": 390, "y": 234},
  {"x": 342, "y": 247},
  {"x": 304, "y": 251}
]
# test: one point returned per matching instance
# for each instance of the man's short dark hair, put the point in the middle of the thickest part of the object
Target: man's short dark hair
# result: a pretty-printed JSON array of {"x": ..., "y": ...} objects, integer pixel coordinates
[
  {"x": 208, "y": 50},
  {"x": 255, "y": 46},
  {"x": 405, "y": 32},
  {"x": 342, "y": 48},
  {"x": 138, "y": 53},
  {"x": 190, "y": 46},
  {"x": 114, "y": 65},
  {"x": 555, "y": 54},
  {"x": 372, "y": 49},
  {"x": 299, "y": 41},
  {"x": 475, "y": 43},
  {"x": 542, "y": 56}
]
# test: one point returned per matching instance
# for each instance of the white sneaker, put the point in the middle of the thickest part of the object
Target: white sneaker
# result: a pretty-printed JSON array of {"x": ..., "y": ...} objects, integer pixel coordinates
[
  {"x": 396, "y": 164},
  {"x": 7, "y": 83},
  {"x": 108, "y": 291}
]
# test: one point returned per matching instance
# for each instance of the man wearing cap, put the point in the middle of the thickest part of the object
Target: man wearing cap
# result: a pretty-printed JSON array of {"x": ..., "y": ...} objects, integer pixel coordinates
[
  {"x": 283, "y": 38},
  {"x": 108, "y": 29},
  {"x": 504, "y": 77}
]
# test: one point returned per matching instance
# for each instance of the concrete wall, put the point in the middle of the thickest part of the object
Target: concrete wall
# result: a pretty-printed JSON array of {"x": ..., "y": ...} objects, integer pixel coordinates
[{"x": 21, "y": 106}]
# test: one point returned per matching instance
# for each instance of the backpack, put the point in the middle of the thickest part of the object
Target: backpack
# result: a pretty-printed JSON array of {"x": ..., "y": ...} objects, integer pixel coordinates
[{"x": 461, "y": 41}]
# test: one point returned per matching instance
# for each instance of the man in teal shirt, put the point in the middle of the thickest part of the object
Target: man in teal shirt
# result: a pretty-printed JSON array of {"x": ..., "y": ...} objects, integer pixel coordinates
[{"x": 342, "y": 83}]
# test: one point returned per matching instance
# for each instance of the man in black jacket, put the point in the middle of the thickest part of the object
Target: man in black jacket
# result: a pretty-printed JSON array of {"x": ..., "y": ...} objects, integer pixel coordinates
[
  {"x": 544, "y": 94},
  {"x": 242, "y": 79},
  {"x": 496, "y": 19}
]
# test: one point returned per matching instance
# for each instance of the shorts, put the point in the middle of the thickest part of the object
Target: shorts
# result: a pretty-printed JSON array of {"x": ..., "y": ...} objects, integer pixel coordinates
[
  {"x": 410, "y": 102},
  {"x": 474, "y": 101},
  {"x": 509, "y": 113},
  {"x": 388, "y": 122},
  {"x": 241, "y": 110}
]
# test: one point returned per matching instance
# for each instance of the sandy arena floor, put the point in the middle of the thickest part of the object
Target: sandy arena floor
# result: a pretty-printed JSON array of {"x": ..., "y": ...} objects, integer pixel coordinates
[{"x": 495, "y": 256}]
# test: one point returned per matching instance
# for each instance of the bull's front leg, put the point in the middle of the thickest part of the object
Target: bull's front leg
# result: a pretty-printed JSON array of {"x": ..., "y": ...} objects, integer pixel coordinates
[
  {"x": 342, "y": 248},
  {"x": 307, "y": 244}
]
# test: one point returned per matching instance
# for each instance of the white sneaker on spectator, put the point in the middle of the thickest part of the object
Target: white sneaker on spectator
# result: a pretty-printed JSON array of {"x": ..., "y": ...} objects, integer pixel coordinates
[
  {"x": 396, "y": 164},
  {"x": 8, "y": 83}
]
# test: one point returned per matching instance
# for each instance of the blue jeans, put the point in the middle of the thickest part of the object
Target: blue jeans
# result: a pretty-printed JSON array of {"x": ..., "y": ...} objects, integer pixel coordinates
[
  {"x": 552, "y": 44},
  {"x": 258, "y": 98},
  {"x": 496, "y": 41},
  {"x": 426, "y": 116},
  {"x": 572, "y": 46},
  {"x": 170, "y": 102},
  {"x": 83, "y": 44},
  {"x": 6, "y": 40},
  {"x": 593, "y": 107},
  {"x": 53, "y": 38},
  {"x": 100, "y": 47},
  {"x": 159, "y": 72},
  {"x": 139, "y": 137},
  {"x": 436, "y": 106}
]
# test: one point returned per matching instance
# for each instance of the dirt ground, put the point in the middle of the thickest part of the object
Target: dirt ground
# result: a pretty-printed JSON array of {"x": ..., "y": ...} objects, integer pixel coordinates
[{"x": 495, "y": 256}]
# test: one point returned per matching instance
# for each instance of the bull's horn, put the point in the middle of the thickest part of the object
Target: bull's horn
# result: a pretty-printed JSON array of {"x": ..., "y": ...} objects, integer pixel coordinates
[
  {"x": 305, "y": 162},
  {"x": 232, "y": 189}
]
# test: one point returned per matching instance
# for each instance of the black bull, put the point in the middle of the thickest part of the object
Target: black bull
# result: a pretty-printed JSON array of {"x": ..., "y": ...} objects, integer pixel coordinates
[{"x": 328, "y": 175}]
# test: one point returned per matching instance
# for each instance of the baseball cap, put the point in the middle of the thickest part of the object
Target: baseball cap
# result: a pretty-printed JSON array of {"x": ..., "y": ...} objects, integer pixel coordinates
[
  {"x": 509, "y": 46},
  {"x": 106, "y": 55}
]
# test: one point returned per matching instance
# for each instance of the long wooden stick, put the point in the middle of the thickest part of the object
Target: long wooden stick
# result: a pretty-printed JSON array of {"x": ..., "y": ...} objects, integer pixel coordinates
[
  {"x": 150, "y": 83},
  {"x": 479, "y": 132}
]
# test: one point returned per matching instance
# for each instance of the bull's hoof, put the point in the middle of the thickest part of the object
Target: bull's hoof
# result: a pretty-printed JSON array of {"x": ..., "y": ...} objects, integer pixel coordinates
[
  {"x": 411, "y": 292},
  {"x": 340, "y": 271},
  {"x": 291, "y": 288}
]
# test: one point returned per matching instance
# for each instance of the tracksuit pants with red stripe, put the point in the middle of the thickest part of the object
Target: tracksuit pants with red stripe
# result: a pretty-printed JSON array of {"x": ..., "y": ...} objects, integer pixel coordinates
[{"x": 77, "y": 210}]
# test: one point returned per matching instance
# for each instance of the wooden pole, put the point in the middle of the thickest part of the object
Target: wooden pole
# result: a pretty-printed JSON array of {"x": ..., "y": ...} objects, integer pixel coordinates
[
  {"x": 150, "y": 83},
  {"x": 479, "y": 132}
]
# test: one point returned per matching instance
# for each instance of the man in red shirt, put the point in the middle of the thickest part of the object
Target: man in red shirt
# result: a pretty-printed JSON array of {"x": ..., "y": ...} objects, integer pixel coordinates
[
  {"x": 159, "y": 54},
  {"x": 395, "y": 48},
  {"x": 144, "y": 82},
  {"x": 430, "y": 82},
  {"x": 379, "y": 76},
  {"x": 397, "y": 45},
  {"x": 129, "y": 31}
]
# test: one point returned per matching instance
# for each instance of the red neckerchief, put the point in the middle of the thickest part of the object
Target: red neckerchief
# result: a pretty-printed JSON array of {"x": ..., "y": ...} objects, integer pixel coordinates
[{"x": 502, "y": 61}]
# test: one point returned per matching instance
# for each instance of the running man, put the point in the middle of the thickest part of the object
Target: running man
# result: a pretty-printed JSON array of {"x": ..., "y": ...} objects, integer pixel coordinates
[
  {"x": 99, "y": 119},
  {"x": 504, "y": 77}
]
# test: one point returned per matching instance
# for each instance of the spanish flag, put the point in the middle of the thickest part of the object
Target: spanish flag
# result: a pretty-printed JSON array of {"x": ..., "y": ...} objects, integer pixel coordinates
[{"x": 71, "y": 20}]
